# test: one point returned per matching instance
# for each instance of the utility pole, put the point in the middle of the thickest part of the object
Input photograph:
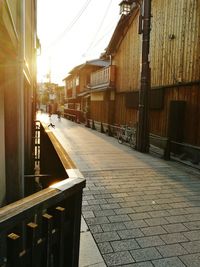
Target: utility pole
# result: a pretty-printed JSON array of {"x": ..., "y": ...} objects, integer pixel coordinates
[{"x": 143, "y": 116}]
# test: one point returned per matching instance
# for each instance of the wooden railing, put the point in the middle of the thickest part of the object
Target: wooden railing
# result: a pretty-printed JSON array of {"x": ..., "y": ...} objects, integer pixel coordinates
[
  {"x": 104, "y": 76},
  {"x": 43, "y": 229}
]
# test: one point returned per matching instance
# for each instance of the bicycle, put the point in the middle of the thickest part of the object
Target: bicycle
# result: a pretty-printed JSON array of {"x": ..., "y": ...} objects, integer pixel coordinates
[{"x": 128, "y": 135}]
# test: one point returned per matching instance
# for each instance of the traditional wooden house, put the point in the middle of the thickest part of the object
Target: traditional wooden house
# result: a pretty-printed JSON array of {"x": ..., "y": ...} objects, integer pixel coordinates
[
  {"x": 175, "y": 71},
  {"x": 77, "y": 97},
  {"x": 18, "y": 47},
  {"x": 102, "y": 94}
]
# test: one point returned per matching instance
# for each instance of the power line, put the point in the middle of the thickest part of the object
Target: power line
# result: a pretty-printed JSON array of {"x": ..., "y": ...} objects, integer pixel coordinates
[
  {"x": 99, "y": 28},
  {"x": 70, "y": 26},
  {"x": 103, "y": 36}
]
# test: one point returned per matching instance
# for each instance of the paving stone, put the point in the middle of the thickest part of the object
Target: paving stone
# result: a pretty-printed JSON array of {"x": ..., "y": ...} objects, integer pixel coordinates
[
  {"x": 131, "y": 204},
  {"x": 97, "y": 220},
  {"x": 173, "y": 238},
  {"x": 192, "y": 260},
  {"x": 174, "y": 228},
  {"x": 133, "y": 233},
  {"x": 107, "y": 236},
  {"x": 132, "y": 198},
  {"x": 193, "y": 225},
  {"x": 192, "y": 246},
  {"x": 91, "y": 207},
  {"x": 149, "y": 241},
  {"x": 176, "y": 219},
  {"x": 140, "y": 264},
  {"x": 124, "y": 245},
  {"x": 100, "y": 213},
  {"x": 144, "y": 208},
  {"x": 88, "y": 214},
  {"x": 119, "y": 195},
  {"x": 180, "y": 205},
  {"x": 102, "y": 196},
  {"x": 145, "y": 254},
  {"x": 87, "y": 192},
  {"x": 135, "y": 224},
  {"x": 105, "y": 247},
  {"x": 130, "y": 184},
  {"x": 98, "y": 201},
  {"x": 168, "y": 262},
  {"x": 160, "y": 213},
  {"x": 84, "y": 203},
  {"x": 113, "y": 226},
  {"x": 171, "y": 250},
  {"x": 118, "y": 258},
  {"x": 193, "y": 217},
  {"x": 119, "y": 218},
  {"x": 124, "y": 211},
  {"x": 88, "y": 197},
  {"x": 153, "y": 230},
  {"x": 110, "y": 206},
  {"x": 192, "y": 235},
  {"x": 156, "y": 221},
  {"x": 193, "y": 210},
  {"x": 96, "y": 229},
  {"x": 179, "y": 211},
  {"x": 115, "y": 200},
  {"x": 139, "y": 216}
]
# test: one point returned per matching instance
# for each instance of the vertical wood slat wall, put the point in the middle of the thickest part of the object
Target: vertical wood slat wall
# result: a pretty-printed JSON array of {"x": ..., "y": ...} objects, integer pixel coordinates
[
  {"x": 175, "y": 41},
  {"x": 174, "y": 59}
]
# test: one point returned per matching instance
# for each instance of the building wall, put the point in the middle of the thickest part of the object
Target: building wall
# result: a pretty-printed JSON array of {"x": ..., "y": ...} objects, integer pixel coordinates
[
  {"x": 127, "y": 60},
  {"x": 174, "y": 62},
  {"x": 2, "y": 145},
  {"x": 17, "y": 85},
  {"x": 175, "y": 42}
]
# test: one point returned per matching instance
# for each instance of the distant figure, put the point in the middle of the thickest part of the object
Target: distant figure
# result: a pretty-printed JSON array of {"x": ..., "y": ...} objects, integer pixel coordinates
[
  {"x": 50, "y": 110},
  {"x": 52, "y": 125},
  {"x": 59, "y": 112}
]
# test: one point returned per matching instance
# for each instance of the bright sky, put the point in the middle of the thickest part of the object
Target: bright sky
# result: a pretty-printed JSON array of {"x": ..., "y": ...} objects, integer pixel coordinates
[{"x": 72, "y": 32}]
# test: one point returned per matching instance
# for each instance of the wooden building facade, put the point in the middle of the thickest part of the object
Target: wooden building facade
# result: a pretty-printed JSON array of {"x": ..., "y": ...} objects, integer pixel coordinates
[
  {"x": 18, "y": 47},
  {"x": 102, "y": 93},
  {"x": 175, "y": 69},
  {"x": 77, "y": 97}
]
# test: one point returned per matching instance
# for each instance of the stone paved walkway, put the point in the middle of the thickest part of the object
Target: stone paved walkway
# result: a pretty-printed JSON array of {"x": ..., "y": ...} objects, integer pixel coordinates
[{"x": 142, "y": 211}]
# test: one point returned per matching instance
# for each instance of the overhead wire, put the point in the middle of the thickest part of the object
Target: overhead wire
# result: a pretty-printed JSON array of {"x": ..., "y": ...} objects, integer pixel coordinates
[
  {"x": 99, "y": 28},
  {"x": 72, "y": 23},
  {"x": 103, "y": 36}
]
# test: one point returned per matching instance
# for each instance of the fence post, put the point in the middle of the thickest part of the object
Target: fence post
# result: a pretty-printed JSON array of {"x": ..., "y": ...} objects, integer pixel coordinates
[
  {"x": 60, "y": 224},
  {"x": 32, "y": 238},
  {"x": 74, "y": 237},
  {"x": 47, "y": 231},
  {"x": 13, "y": 249}
]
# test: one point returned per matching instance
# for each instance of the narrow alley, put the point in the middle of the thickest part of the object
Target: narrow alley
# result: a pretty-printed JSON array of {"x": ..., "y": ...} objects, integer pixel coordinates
[{"x": 141, "y": 211}]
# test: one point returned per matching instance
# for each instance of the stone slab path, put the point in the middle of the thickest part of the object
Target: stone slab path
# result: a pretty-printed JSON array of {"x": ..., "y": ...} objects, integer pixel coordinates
[{"x": 141, "y": 211}]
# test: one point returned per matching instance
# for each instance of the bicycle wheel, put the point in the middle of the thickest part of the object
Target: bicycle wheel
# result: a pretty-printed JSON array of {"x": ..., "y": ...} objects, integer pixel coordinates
[
  {"x": 120, "y": 139},
  {"x": 132, "y": 141}
]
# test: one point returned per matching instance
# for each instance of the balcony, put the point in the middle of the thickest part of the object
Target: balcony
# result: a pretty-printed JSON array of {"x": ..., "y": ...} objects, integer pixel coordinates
[
  {"x": 43, "y": 229},
  {"x": 103, "y": 78}
]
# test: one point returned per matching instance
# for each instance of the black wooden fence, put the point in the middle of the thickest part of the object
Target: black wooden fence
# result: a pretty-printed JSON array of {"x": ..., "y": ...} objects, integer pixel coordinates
[{"x": 43, "y": 230}]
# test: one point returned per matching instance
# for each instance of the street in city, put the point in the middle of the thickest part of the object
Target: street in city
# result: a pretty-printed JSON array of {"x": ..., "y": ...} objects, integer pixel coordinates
[{"x": 138, "y": 210}]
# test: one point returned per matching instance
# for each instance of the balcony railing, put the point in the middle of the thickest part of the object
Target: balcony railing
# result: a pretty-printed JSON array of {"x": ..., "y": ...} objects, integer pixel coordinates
[
  {"x": 43, "y": 229},
  {"x": 103, "y": 77}
]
